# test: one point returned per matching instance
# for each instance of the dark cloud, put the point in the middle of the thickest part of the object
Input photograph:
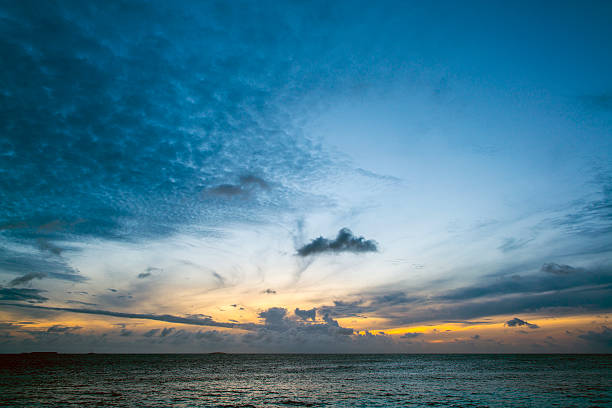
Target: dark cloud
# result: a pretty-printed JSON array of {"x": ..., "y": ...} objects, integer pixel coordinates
[
  {"x": 590, "y": 290},
  {"x": 62, "y": 329},
  {"x": 45, "y": 245},
  {"x": 269, "y": 291},
  {"x": 31, "y": 294},
  {"x": 603, "y": 337},
  {"x": 306, "y": 314},
  {"x": 27, "y": 278},
  {"x": 125, "y": 333},
  {"x": 166, "y": 331},
  {"x": 557, "y": 269},
  {"x": 78, "y": 302},
  {"x": 252, "y": 180},
  {"x": 468, "y": 322},
  {"x": 516, "y": 322},
  {"x": 28, "y": 262},
  {"x": 345, "y": 242},
  {"x": 220, "y": 279},
  {"x": 534, "y": 283},
  {"x": 274, "y": 317},
  {"x": 28, "y": 295},
  {"x": 149, "y": 272},
  {"x": 151, "y": 333},
  {"x": 227, "y": 190},
  {"x": 247, "y": 185},
  {"x": 409, "y": 335}
]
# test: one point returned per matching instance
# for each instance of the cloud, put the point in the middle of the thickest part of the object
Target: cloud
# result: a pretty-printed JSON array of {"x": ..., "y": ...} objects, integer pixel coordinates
[
  {"x": 252, "y": 180},
  {"x": 409, "y": 335},
  {"x": 149, "y": 272},
  {"x": 516, "y": 322},
  {"x": 557, "y": 269},
  {"x": 48, "y": 246},
  {"x": 28, "y": 295},
  {"x": 62, "y": 329},
  {"x": 587, "y": 291},
  {"x": 603, "y": 337},
  {"x": 247, "y": 185},
  {"x": 227, "y": 190},
  {"x": 274, "y": 317},
  {"x": 129, "y": 129},
  {"x": 151, "y": 333},
  {"x": 593, "y": 218},
  {"x": 27, "y": 278},
  {"x": 306, "y": 314},
  {"x": 29, "y": 262},
  {"x": 468, "y": 322},
  {"x": 345, "y": 242},
  {"x": 166, "y": 331},
  {"x": 269, "y": 292},
  {"x": 78, "y": 302},
  {"x": 512, "y": 244},
  {"x": 196, "y": 321}
]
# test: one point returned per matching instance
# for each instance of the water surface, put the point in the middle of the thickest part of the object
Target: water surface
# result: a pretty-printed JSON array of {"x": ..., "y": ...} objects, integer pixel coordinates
[{"x": 243, "y": 380}]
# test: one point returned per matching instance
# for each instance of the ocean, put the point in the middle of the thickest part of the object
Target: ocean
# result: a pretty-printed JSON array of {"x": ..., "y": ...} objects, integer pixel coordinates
[{"x": 281, "y": 380}]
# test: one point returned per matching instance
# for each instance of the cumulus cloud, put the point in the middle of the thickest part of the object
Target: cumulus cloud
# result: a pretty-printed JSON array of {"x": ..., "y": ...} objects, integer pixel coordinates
[
  {"x": 516, "y": 322},
  {"x": 345, "y": 241},
  {"x": 274, "y": 317},
  {"x": 306, "y": 314}
]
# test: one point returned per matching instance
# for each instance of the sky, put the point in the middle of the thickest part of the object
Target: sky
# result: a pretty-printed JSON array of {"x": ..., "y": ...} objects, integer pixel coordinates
[{"x": 326, "y": 177}]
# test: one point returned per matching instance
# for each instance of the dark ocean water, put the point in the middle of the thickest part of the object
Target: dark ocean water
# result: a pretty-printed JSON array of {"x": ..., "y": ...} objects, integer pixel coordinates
[{"x": 223, "y": 380}]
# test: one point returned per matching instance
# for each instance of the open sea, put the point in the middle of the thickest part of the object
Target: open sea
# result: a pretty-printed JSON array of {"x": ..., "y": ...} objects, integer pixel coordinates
[{"x": 281, "y": 380}]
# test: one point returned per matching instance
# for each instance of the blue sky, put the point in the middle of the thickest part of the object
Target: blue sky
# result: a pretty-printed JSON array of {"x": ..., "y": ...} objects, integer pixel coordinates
[{"x": 347, "y": 176}]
